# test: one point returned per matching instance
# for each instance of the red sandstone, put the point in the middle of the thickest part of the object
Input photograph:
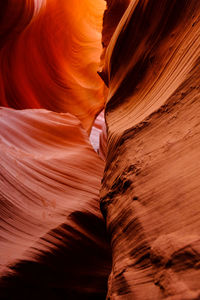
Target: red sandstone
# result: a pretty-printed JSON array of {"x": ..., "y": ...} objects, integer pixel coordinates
[{"x": 140, "y": 239}]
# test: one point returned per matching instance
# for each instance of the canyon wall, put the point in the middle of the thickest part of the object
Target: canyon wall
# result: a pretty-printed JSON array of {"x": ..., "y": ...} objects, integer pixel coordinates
[
  {"x": 53, "y": 242},
  {"x": 49, "y": 56},
  {"x": 53, "y": 238},
  {"x": 150, "y": 189},
  {"x": 141, "y": 239}
]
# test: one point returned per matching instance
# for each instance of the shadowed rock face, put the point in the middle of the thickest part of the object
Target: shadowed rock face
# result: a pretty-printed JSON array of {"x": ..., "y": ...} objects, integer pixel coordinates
[
  {"x": 52, "y": 232},
  {"x": 53, "y": 242},
  {"x": 53, "y": 239},
  {"x": 150, "y": 190},
  {"x": 112, "y": 16}
]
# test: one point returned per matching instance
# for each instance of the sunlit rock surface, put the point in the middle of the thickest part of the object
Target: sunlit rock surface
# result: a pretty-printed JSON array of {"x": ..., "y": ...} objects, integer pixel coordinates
[
  {"x": 53, "y": 239},
  {"x": 49, "y": 56},
  {"x": 53, "y": 236},
  {"x": 97, "y": 128},
  {"x": 52, "y": 231},
  {"x": 150, "y": 191}
]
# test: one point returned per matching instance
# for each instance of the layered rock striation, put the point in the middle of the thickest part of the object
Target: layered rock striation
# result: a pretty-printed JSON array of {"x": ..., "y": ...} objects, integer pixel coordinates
[
  {"x": 49, "y": 56},
  {"x": 53, "y": 239},
  {"x": 150, "y": 190}
]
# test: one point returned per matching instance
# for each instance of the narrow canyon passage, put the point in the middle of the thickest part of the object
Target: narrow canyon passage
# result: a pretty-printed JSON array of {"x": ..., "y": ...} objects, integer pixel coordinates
[{"x": 99, "y": 149}]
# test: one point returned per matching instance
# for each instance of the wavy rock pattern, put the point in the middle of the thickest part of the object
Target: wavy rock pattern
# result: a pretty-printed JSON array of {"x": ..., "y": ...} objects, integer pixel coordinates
[
  {"x": 52, "y": 231},
  {"x": 150, "y": 191},
  {"x": 112, "y": 16},
  {"x": 49, "y": 56},
  {"x": 53, "y": 237}
]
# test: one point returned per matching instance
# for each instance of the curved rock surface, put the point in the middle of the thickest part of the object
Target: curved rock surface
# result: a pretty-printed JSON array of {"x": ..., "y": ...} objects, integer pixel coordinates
[
  {"x": 150, "y": 192},
  {"x": 49, "y": 56},
  {"x": 53, "y": 236},
  {"x": 52, "y": 231},
  {"x": 112, "y": 16},
  {"x": 98, "y": 136}
]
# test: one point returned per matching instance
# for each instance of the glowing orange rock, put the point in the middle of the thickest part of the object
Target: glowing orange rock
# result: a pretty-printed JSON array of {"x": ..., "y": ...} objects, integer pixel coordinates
[{"x": 49, "y": 56}]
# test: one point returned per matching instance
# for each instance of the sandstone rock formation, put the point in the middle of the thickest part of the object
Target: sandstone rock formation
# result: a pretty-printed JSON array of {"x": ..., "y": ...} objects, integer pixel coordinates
[
  {"x": 150, "y": 192},
  {"x": 49, "y": 57},
  {"x": 52, "y": 231},
  {"x": 141, "y": 240}
]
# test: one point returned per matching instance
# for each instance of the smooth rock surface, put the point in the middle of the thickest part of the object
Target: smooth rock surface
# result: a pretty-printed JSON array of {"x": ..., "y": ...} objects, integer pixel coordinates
[
  {"x": 52, "y": 232},
  {"x": 49, "y": 56}
]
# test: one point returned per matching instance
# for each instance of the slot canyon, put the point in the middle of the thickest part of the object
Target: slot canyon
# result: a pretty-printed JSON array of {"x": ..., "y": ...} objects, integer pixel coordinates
[{"x": 100, "y": 149}]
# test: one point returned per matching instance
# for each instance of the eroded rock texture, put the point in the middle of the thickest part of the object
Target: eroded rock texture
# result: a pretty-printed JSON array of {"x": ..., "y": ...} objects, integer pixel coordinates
[
  {"x": 111, "y": 17},
  {"x": 53, "y": 240},
  {"x": 53, "y": 235},
  {"x": 49, "y": 56},
  {"x": 150, "y": 191}
]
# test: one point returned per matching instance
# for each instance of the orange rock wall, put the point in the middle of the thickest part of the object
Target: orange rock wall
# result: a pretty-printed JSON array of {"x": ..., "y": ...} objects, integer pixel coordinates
[
  {"x": 53, "y": 242},
  {"x": 49, "y": 56},
  {"x": 150, "y": 190}
]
